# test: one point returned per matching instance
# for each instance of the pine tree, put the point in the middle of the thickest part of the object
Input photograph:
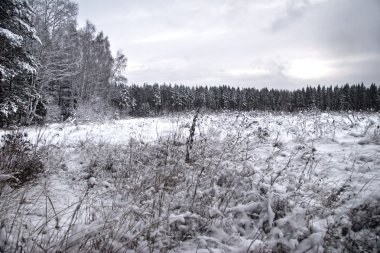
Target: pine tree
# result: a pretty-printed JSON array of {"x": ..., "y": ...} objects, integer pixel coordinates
[
  {"x": 378, "y": 100},
  {"x": 372, "y": 96},
  {"x": 345, "y": 102},
  {"x": 19, "y": 100},
  {"x": 362, "y": 97}
]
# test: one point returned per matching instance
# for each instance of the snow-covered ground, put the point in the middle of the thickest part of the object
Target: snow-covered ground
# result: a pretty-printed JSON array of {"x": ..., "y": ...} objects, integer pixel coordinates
[{"x": 257, "y": 182}]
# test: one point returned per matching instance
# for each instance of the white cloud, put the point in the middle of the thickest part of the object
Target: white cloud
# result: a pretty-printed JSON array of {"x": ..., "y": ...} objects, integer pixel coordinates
[
  {"x": 164, "y": 36},
  {"x": 167, "y": 36},
  {"x": 137, "y": 15},
  {"x": 308, "y": 69},
  {"x": 248, "y": 72},
  {"x": 134, "y": 66}
]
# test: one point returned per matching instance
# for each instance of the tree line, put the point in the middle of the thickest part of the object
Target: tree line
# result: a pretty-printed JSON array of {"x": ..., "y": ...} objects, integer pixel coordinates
[
  {"x": 49, "y": 67},
  {"x": 157, "y": 99}
]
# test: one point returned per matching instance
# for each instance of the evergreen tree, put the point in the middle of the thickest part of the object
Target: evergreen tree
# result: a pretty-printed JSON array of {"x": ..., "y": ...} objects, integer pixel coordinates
[
  {"x": 345, "y": 102},
  {"x": 20, "y": 101},
  {"x": 372, "y": 97}
]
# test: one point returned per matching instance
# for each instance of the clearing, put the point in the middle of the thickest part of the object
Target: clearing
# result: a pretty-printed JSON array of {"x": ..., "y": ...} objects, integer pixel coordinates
[{"x": 256, "y": 182}]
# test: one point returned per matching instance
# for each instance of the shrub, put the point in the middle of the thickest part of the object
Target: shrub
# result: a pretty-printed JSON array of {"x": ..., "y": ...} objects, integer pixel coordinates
[{"x": 19, "y": 160}]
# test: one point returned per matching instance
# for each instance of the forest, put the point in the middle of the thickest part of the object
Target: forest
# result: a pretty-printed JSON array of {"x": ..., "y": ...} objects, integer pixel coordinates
[
  {"x": 148, "y": 99},
  {"x": 50, "y": 68}
]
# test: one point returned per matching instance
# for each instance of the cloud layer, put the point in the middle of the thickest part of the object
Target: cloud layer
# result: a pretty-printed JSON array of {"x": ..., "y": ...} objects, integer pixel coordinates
[{"x": 274, "y": 43}]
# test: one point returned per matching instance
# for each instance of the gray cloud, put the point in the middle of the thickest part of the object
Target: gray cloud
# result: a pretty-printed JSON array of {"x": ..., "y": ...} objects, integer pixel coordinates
[
  {"x": 293, "y": 11},
  {"x": 339, "y": 26},
  {"x": 275, "y": 43}
]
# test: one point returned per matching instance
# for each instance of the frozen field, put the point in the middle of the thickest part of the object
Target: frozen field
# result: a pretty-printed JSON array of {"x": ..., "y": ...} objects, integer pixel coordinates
[{"x": 256, "y": 182}]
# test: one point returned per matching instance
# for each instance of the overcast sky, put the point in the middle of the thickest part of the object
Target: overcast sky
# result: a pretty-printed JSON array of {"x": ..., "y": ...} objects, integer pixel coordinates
[{"x": 256, "y": 43}]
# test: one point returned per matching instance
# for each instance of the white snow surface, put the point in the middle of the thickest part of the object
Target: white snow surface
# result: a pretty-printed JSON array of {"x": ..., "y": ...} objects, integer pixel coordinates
[
  {"x": 14, "y": 39},
  {"x": 257, "y": 182}
]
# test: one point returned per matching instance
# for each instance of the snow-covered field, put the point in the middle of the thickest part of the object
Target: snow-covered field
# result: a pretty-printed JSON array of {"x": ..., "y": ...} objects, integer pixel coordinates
[{"x": 256, "y": 182}]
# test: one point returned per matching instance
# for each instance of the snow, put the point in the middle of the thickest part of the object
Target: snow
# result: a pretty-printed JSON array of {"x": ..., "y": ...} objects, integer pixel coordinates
[
  {"x": 8, "y": 108},
  {"x": 6, "y": 177},
  {"x": 259, "y": 182},
  {"x": 176, "y": 218},
  {"x": 29, "y": 29},
  {"x": 14, "y": 39},
  {"x": 91, "y": 181},
  {"x": 27, "y": 67},
  {"x": 113, "y": 132}
]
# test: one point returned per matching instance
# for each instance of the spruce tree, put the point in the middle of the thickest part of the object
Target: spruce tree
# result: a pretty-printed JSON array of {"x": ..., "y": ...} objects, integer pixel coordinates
[{"x": 20, "y": 101}]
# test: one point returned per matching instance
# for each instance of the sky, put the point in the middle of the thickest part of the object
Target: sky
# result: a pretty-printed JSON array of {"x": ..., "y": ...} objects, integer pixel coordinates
[{"x": 282, "y": 44}]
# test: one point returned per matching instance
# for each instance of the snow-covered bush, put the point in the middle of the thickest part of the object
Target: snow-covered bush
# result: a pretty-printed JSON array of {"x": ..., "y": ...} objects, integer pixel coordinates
[
  {"x": 18, "y": 159},
  {"x": 95, "y": 110}
]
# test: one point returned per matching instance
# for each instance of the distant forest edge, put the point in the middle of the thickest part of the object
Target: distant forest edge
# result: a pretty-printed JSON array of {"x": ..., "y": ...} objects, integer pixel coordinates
[
  {"x": 50, "y": 70},
  {"x": 148, "y": 99}
]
